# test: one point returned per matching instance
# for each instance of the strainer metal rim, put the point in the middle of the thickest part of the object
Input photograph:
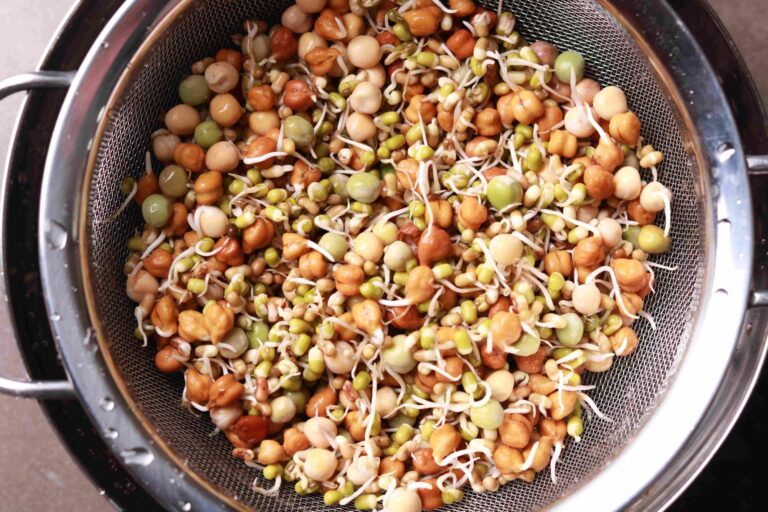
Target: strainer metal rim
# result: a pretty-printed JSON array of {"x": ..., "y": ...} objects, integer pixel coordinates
[{"x": 63, "y": 278}]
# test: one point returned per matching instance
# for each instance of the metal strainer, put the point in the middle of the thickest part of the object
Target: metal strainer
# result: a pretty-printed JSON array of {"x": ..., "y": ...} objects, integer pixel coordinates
[{"x": 663, "y": 401}]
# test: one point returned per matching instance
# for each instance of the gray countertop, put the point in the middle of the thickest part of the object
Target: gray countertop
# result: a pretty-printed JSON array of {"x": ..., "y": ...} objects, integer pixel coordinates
[{"x": 36, "y": 471}]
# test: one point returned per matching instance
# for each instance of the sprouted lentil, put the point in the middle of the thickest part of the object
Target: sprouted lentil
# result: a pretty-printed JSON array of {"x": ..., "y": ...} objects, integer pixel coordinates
[{"x": 378, "y": 248}]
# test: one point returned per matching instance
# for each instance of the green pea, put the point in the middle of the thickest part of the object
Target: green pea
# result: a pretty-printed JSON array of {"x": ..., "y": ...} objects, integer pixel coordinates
[
  {"x": 299, "y": 130},
  {"x": 452, "y": 495},
  {"x": 631, "y": 234},
  {"x": 651, "y": 239},
  {"x": 173, "y": 181},
  {"x": 339, "y": 184},
  {"x": 272, "y": 471},
  {"x": 504, "y": 191},
  {"x": 527, "y": 345},
  {"x": 332, "y": 497},
  {"x": 335, "y": 244},
  {"x": 272, "y": 256},
  {"x": 400, "y": 29},
  {"x": 194, "y": 91},
  {"x": 156, "y": 210},
  {"x": 364, "y": 187},
  {"x": 488, "y": 416},
  {"x": 326, "y": 164},
  {"x": 257, "y": 334},
  {"x": 571, "y": 334},
  {"x": 567, "y": 62},
  {"x": 207, "y": 134}
]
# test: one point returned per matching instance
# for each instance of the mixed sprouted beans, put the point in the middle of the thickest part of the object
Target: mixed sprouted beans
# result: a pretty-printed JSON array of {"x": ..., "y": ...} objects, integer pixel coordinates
[{"x": 386, "y": 242}]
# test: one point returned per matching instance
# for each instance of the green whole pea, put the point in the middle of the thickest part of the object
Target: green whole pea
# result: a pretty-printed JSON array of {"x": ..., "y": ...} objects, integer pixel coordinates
[
  {"x": 335, "y": 244},
  {"x": 364, "y": 187},
  {"x": 573, "y": 331},
  {"x": 299, "y": 130},
  {"x": 504, "y": 191},
  {"x": 194, "y": 91},
  {"x": 527, "y": 345},
  {"x": 156, "y": 210},
  {"x": 568, "y": 62},
  {"x": 173, "y": 181},
  {"x": 488, "y": 416},
  {"x": 207, "y": 134},
  {"x": 651, "y": 239},
  {"x": 631, "y": 235}
]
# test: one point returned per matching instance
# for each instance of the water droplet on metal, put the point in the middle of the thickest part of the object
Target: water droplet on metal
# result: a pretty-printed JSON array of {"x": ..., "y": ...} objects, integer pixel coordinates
[
  {"x": 138, "y": 456},
  {"x": 724, "y": 152},
  {"x": 111, "y": 433},
  {"x": 186, "y": 507},
  {"x": 55, "y": 234},
  {"x": 107, "y": 404},
  {"x": 55, "y": 317},
  {"x": 105, "y": 44}
]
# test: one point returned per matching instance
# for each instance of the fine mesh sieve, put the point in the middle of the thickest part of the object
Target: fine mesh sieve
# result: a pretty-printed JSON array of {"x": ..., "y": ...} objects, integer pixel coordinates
[{"x": 627, "y": 393}]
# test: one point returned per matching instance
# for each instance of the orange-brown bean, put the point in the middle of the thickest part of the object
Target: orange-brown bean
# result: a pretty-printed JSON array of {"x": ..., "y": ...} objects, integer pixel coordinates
[
  {"x": 431, "y": 498},
  {"x": 419, "y": 105},
  {"x": 158, "y": 263},
  {"x": 226, "y": 110},
  {"x": 191, "y": 326},
  {"x": 312, "y": 265},
  {"x": 258, "y": 235},
  {"x": 599, "y": 182},
  {"x": 629, "y": 273},
  {"x": 533, "y": 363},
  {"x": 423, "y": 21},
  {"x": 423, "y": 461},
  {"x": 508, "y": 459},
  {"x": 169, "y": 360},
  {"x": 298, "y": 95},
  {"x": 321, "y": 59},
  {"x": 488, "y": 122},
  {"x": 294, "y": 441},
  {"x": 461, "y": 43},
  {"x": 515, "y": 431},
  {"x": 218, "y": 320},
  {"x": 165, "y": 315},
  {"x": 527, "y": 107},
  {"x": 225, "y": 391},
  {"x": 320, "y": 401},
  {"x": 177, "y": 224},
  {"x": 294, "y": 246},
  {"x": 502, "y": 304},
  {"x": 505, "y": 105},
  {"x": 419, "y": 286},
  {"x": 348, "y": 279},
  {"x": 328, "y": 25},
  {"x": 589, "y": 252},
  {"x": 624, "y": 341},
  {"x": 563, "y": 143},
  {"x": 505, "y": 328},
  {"x": 198, "y": 386},
  {"x": 407, "y": 171},
  {"x": 495, "y": 358},
  {"x": 390, "y": 465},
  {"x": 439, "y": 212},
  {"x": 261, "y": 98},
  {"x": 434, "y": 245},
  {"x": 625, "y": 128},
  {"x": 404, "y": 317},
  {"x": 558, "y": 261},
  {"x": 189, "y": 156},
  {"x": 553, "y": 116},
  {"x": 472, "y": 213},
  {"x": 608, "y": 155},
  {"x": 233, "y": 57},
  {"x": 231, "y": 252},
  {"x": 304, "y": 175},
  {"x": 639, "y": 214},
  {"x": 367, "y": 316},
  {"x": 283, "y": 43},
  {"x": 251, "y": 430},
  {"x": 445, "y": 439},
  {"x": 208, "y": 188},
  {"x": 259, "y": 147}
]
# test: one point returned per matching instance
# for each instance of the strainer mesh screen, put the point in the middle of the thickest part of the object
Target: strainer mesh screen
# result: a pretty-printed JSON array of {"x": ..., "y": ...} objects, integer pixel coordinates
[{"x": 626, "y": 393}]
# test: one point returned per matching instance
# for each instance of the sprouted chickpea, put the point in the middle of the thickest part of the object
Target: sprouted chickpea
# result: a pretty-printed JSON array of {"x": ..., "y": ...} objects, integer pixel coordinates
[{"x": 382, "y": 246}]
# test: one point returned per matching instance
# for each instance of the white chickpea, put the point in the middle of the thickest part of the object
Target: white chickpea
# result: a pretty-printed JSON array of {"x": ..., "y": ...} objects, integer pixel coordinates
[
  {"x": 222, "y": 157},
  {"x": 586, "y": 213},
  {"x": 320, "y": 465},
  {"x": 609, "y": 102},
  {"x": 354, "y": 24},
  {"x": 363, "y": 469},
  {"x": 343, "y": 360},
  {"x": 366, "y": 98},
  {"x": 308, "y": 42},
  {"x": 652, "y": 198},
  {"x": 296, "y": 20},
  {"x": 386, "y": 401},
  {"x": 506, "y": 249},
  {"x": 320, "y": 431},
  {"x": 360, "y": 127},
  {"x": 610, "y": 231},
  {"x": 501, "y": 382},
  {"x": 261, "y": 123},
  {"x": 311, "y": 6},
  {"x": 163, "y": 145},
  {"x": 182, "y": 120},
  {"x": 577, "y": 123},
  {"x": 586, "y": 299},
  {"x": 212, "y": 221},
  {"x": 404, "y": 500},
  {"x": 376, "y": 75},
  {"x": 364, "y": 52},
  {"x": 586, "y": 90},
  {"x": 283, "y": 409},
  {"x": 627, "y": 183},
  {"x": 369, "y": 247},
  {"x": 221, "y": 77}
]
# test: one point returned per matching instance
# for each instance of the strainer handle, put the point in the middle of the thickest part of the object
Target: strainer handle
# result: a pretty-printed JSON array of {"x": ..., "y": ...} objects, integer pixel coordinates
[
  {"x": 41, "y": 390},
  {"x": 757, "y": 165}
]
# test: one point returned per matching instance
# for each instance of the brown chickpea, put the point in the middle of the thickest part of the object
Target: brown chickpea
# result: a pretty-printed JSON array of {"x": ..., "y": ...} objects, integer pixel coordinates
[
  {"x": 191, "y": 327},
  {"x": 542, "y": 456},
  {"x": 158, "y": 263},
  {"x": 495, "y": 358},
  {"x": 563, "y": 143},
  {"x": 444, "y": 440},
  {"x": 165, "y": 315},
  {"x": 223, "y": 156},
  {"x": 472, "y": 214},
  {"x": 440, "y": 212},
  {"x": 463, "y": 8},
  {"x": 294, "y": 441},
  {"x": 225, "y": 110},
  {"x": 589, "y": 252},
  {"x": 294, "y": 246},
  {"x": 423, "y": 21},
  {"x": 402, "y": 317},
  {"x": 502, "y": 304},
  {"x": 507, "y": 459},
  {"x": 283, "y": 43},
  {"x": 209, "y": 188},
  {"x": 505, "y": 329},
  {"x": 563, "y": 403},
  {"x": 555, "y": 429},
  {"x": 553, "y": 116},
  {"x": 419, "y": 105},
  {"x": 504, "y": 106},
  {"x": 624, "y": 341},
  {"x": 445, "y": 119},
  {"x": 407, "y": 171},
  {"x": 461, "y": 43},
  {"x": 298, "y": 95},
  {"x": 169, "y": 360},
  {"x": 515, "y": 431},
  {"x": 526, "y": 107},
  {"x": 182, "y": 120},
  {"x": 625, "y": 128},
  {"x": 355, "y": 425},
  {"x": 271, "y": 452},
  {"x": 434, "y": 245},
  {"x": 481, "y": 147},
  {"x": 367, "y": 316},
  {"x": 258, "y": 235},
  {"x": 423, "y": 461},
  {"x": 453, "y": 367},
  {"x": 231, "y": 254},
  {"x": 218, "y": 320},
  {"x": 348, "y": 279},
  {"x": 261, "y": 98},
  {"x": 629, "y": 273},
  {"x": 599, "y": 182},
  {"x": 419, "y": 286},
  {"x": 251, "y": 430},
  {"x": 392, "y": 466},
  {"x": 321, "y": 60},
  {"x": 304, "y": 175},
  {"x": 313, "y": 265},
  {"x": 339, "y": 6},
  {"x": 190, "y": 156},
  {"x": 533, "y": 363},
  {"x": 259, "y": 147},
  {"x": 558, "y": 261},
  {"x": 639, "y": 214},
  {"x": 198, "y": 386},
  {"x": 328, "y": 25},
  {"x": 608, "y": 155},
  {"x": 232, "y": 57},
  {"x": 177, "y": 225},
  {"x": 261, "y": 123},
  {"x": 488, "y": 122},
  {"x": 342, "y": 332},
  {"x": 320, "y": 401}
]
